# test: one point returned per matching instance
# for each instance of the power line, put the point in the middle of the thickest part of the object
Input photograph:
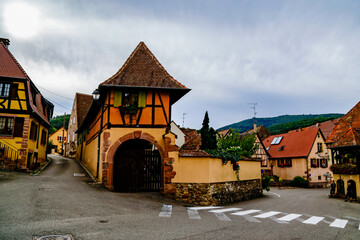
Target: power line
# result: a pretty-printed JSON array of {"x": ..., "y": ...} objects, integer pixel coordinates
[{"x": 55, "y": 93}]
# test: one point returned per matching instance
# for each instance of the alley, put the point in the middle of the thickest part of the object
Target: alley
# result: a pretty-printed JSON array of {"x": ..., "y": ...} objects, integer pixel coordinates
[{"x": 63, "y": 200}]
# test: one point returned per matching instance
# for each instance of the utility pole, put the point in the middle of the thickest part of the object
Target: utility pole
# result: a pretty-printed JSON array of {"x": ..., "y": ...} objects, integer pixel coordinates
[{"x": 63, "y": 137}]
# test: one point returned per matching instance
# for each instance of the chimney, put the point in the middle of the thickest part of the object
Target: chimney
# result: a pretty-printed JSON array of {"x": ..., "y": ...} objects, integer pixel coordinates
[
  {"x": 317, "y": 125},
  {"x": 5, "y": 41},
  {"x": 255, "y": 127}
]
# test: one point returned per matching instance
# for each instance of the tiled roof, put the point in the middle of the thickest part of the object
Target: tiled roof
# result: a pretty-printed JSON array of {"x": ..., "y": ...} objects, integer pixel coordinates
[
  {"x": 224, "y": 132},
  {"x": 261, "y": 131},
  {"x": 347, "y": 131},
  {"x": 142, "y": 69},
  {"x": 83, "y": 103},
  {"x": 192, "y": 139},
  {"x": 326, "y": 127},
  {"x": 9, "y": 67},
  {"x": 296, "y": 143}
]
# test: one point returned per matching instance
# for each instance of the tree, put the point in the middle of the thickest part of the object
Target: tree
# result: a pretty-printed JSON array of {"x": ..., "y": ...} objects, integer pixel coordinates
[{"x": 208, "y": 135}]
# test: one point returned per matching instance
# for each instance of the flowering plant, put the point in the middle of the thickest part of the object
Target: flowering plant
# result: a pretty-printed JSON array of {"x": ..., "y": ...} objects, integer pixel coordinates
[{"x": 346, "y": 168}]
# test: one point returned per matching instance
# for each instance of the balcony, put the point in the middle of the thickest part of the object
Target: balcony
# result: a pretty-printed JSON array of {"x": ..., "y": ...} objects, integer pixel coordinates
[{"x": 345, "y": 168}]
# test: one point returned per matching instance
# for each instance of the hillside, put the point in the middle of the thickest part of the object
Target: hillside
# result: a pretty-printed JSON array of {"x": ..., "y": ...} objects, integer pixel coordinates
[
  {"x": 283, "y": 123},
  {"x": 58, "y": 121}
]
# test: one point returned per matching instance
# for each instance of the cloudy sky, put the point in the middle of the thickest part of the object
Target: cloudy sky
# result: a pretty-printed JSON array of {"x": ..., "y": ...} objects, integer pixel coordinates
[{"x": 289, "y": 57}]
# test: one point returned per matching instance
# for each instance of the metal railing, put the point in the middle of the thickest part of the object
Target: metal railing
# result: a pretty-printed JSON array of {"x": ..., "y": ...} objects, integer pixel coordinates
[{"x": 8, "y": 152}]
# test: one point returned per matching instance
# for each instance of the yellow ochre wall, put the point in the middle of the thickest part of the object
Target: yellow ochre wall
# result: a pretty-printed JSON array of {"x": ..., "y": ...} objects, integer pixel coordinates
[
  {"x": 211, "y": 170},
  {"x": 32, "y": 145},
  {"x": 346, "y": 178},
  {"x": 22, "y": 96}
]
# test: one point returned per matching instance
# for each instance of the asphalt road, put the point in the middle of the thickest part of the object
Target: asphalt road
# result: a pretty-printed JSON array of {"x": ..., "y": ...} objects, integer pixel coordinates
[{"x": 63, "y": 201}]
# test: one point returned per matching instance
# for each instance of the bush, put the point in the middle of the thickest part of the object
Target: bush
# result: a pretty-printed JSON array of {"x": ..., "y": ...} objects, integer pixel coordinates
[
  {"x": 266, "y": 183},
  {"x": 275, "y": 177},
  {"x": 299, "y": 182}
]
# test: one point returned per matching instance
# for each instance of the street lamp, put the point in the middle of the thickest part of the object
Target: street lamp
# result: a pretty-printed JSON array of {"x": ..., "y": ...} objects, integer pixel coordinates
[
  {"x": 96, "y": 97},
  {"x": 96, "y": 94}
]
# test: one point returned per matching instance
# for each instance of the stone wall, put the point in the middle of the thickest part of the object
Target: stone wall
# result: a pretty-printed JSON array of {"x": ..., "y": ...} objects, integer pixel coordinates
[{"x": 218, "y": 193}]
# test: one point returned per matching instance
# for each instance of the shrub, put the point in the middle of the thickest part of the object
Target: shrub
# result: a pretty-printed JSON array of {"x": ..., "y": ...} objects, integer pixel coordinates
[
  {"x": 299, "y": 182},
  {"x": 266, "y": 183}
]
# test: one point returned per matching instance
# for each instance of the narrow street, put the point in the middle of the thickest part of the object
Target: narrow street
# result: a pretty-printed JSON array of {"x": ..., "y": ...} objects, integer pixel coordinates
[{"x": 62, "y": 200}]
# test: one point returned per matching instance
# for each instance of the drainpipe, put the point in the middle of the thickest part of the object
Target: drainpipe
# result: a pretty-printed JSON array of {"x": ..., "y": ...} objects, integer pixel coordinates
[{"x": 99, "y": 139}]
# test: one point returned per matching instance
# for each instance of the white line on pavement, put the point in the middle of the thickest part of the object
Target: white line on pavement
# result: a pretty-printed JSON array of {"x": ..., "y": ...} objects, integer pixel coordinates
[
  {"x": 222, "y": 217},
  {"x": 225, "y": 210},
  {"x": 274, "y": 194},
  {"x": 313, "y": 220},
  {"x": 268, "y": 214},
  {"x": 339, "y": 223},
  {"x": 203, "y": 208},
  {"x": 193, "y": 214},
  {"x": 242, "y": 213},
  {"x": 289, "y": 217},
  {"x": 166, "y": 211}
]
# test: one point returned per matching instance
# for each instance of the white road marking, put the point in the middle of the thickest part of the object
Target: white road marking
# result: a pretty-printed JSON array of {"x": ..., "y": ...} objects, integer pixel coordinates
[
  {"x": 339, "y": 223},
  {"x": 79, "y": 174},
  {"x": 193, "y": 214},
  {"x": 193, "y": 211},
  {"x": 251, "y": 218},
  {"x": 203, "y": 208},
  {"x": 225, "y": 210},
  {"x": 242, "y": 213},
  {"x": 266, "y": 215},
  {"x": 222, "y": 217},
  {"x": 166, "y": 211},
  {"x": 313, "y": 220},
  {"x": 274, "y": 194},
  {"x": 289, "y": 217}
]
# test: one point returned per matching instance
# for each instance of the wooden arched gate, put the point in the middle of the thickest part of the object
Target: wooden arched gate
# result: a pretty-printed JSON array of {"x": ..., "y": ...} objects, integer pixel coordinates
[{"x": 137, "y": 167}]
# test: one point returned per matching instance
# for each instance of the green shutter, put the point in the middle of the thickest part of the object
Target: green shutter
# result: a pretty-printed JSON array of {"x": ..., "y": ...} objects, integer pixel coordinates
[
  {"x": 142, "y": 100},
  {"x": 117, "y": 98}
]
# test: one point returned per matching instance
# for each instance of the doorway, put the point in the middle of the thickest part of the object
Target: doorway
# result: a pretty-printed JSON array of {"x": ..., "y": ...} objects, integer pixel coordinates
[{"x": 137, "y": 167}]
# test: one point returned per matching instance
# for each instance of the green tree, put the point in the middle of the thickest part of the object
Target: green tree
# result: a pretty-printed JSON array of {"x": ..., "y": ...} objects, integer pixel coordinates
[{"x": 208, "y": 135}]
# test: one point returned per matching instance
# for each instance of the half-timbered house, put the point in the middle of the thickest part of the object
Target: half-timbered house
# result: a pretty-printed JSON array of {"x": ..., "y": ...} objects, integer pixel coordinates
[
  {"x": 125, "y": 138},
  {"x": 24, "y": 115}
]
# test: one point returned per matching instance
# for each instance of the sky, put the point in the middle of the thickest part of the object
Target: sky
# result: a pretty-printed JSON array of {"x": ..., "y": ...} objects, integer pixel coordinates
[{"x": 288, "y": 57}]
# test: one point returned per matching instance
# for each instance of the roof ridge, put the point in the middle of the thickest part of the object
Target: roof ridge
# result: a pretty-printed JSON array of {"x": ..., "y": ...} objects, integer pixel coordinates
[
  {"x": 14, "y": 59},
  {"x": 142, "y": 45}
]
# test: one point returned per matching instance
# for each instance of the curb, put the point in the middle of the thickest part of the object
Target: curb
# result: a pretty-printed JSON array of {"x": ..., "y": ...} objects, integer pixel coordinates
[
  {"x": 38, "y": 171},
  {"x": 88, "y": 172}
]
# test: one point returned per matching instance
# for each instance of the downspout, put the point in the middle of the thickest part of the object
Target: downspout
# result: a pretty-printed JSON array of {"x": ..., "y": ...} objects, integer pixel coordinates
[{"x": 98, "y": 153}]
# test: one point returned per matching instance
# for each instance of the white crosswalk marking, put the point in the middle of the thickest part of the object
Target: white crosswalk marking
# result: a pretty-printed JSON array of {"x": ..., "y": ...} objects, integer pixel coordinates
[
  {"x": 222, "y": 217},
  {"x": 289, "y": 217},
  {"x": 242, "y": 213},
  {"x": 313, "y": 220},
  {"x": 268, "y": 214},
  {"x": 166, "y": 211},
  {"x": 339, "y": 223},
  {"x": 225, "y": 210},
  {"x": 193, "y": 211}
]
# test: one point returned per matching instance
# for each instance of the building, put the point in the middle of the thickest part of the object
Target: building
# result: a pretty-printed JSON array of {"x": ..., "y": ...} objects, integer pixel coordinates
[
  {"x": 79, "y": 110},
  {"x": 344, "y": 143},
  {"x": 125, "y": 138},
  {"x": 59, "y": 140},
  {"x": 300, "y": 152},
  {"x": 24, "y": 115}
]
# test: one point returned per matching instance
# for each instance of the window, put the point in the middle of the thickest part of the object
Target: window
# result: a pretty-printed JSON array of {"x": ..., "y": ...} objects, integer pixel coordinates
[
  {"x": 264, "y": 163},
  {"x": 314, "y": 163},
  {"x": 33, "y": 131},
  {"x": 285, "y": 162},
  {"x": 319, "y": 177},
  {"x": 4, "y": 89},
  {"x": 6, "y": 125},
  {"x": 320, "y": 147},
  {"x": 43, "y": 137},
  {"x": 323, "y": 163},
  {"x": 60, "y": 138},
  {"x": 276, "y": 140},
  {"x": 130, "y": 99}
]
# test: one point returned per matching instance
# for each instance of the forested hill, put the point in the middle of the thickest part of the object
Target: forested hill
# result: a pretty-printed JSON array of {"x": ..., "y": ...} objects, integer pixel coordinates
[
  {"x": 284, "y": 123},
  {"x": 58, "y": 121}
]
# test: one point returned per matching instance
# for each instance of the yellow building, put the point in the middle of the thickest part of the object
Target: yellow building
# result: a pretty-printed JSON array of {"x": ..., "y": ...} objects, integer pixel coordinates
[
  {"x": 59, "y": 140},
  {"x": 24, "y": 115},
  {"x": 301, "y": 153}
]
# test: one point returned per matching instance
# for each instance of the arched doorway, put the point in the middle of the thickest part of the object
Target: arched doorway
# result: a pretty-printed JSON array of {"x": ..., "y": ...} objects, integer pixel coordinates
[
  {"x": 137, "y": 167},
  {"x": 353, "y": 188},
  {"x": 340, "y": 187}
]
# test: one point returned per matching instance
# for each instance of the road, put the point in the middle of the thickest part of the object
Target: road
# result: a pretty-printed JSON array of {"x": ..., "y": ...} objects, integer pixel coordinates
[{"x": 63, "y": 201}]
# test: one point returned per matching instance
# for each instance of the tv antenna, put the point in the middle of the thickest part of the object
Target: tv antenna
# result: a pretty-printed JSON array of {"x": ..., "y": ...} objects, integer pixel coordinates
[
  {"x": 254, "y": 107},
  {"x": 183, "y": 123}
]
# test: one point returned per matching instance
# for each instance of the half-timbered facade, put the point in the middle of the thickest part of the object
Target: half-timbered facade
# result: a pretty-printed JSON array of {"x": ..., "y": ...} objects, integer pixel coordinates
[
  {"x": 24, "y": 115},
  {"x": 125, "y": 138}
]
